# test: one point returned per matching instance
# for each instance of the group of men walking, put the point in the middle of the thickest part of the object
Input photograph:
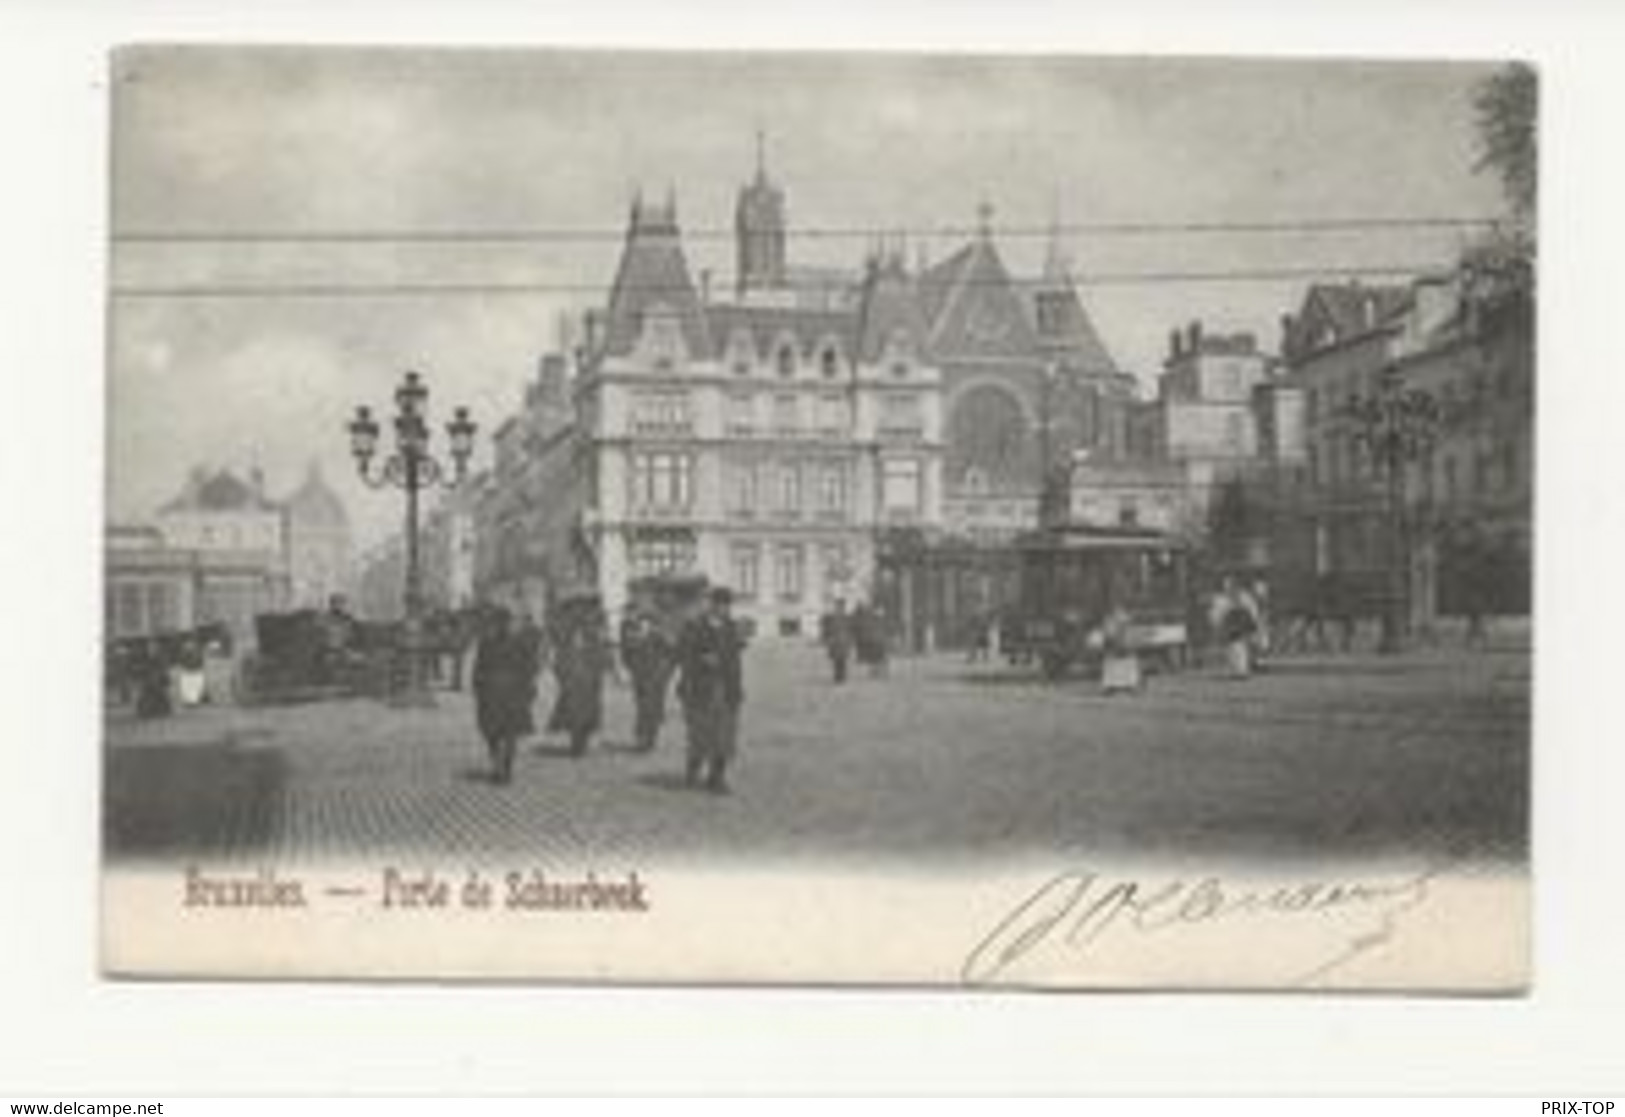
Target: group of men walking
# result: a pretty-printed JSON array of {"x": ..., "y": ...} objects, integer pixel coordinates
[
  {"x": 862, "y": 632},
  {"x": 704, "y": 652}
]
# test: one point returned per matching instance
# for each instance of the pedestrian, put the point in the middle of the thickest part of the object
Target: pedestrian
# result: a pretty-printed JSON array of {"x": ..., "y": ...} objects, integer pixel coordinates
[
  {"x": 649, "y": 655},
  {"x": 836, "y": 635},
  {"x": 581, "y": 660},
  {"x": 190, "y": 681},
  {"x": 1120, "y": 663},
  {"x": 1238, "y": 626},
  {"x": 504, "y": 682},
  {"x": 981, "y": 637},
  {"x": 712, "y": 691},
  {"x": 1263, "y": 640},
  {"x": 869, "y": 628},
  {"x": 219, "y": 670}
]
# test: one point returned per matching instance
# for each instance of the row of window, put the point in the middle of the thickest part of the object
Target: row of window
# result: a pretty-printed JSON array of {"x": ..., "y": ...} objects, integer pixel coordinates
[
  {"x": 665, "y": 480},
  {"x": 779, "y": 487},
  {"x": 789, "y": 570},
  {"x": 672, "y": 414},
  {"x": 786, "y": 361},
  {"x": 663, "y": 344}
]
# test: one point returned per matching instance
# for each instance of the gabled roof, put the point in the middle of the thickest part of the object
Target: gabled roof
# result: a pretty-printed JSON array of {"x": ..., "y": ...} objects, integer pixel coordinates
[
  {"x": 1348, "y": 310},
  {"x": 973, "y": 307},
  {"x": 653, "y": 275}
]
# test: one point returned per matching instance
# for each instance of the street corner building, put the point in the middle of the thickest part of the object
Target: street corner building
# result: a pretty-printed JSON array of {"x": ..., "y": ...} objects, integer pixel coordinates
[{"x": 809, "y": 435}]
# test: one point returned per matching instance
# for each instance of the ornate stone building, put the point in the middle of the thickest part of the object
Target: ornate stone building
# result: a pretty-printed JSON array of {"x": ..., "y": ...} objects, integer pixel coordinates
[
  {"x": 882, "y": 432},
  {"x": 761, "y": 442}
]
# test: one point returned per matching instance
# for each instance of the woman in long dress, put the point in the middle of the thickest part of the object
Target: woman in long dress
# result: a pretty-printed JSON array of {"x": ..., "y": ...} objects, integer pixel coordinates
[{"x": 1120, "y": 664}]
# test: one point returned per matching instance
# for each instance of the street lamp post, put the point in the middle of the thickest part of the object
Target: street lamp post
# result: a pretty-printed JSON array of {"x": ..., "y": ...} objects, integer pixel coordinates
[
  {"x": 412, "y": 468},
  {"x": 1396, "y": 426}
]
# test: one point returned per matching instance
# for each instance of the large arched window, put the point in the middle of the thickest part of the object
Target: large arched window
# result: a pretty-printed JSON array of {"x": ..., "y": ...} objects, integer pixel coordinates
[{"x": 987, "y": 432}]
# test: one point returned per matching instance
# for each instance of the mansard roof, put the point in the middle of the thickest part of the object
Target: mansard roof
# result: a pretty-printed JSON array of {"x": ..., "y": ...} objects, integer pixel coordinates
[
  {"x": 653, "y": 276},
  {"x": 767, "y": 325},
  {"x": 889, "y": 305}
]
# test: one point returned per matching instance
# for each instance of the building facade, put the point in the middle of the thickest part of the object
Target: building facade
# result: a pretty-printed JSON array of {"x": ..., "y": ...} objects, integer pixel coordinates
[
  {"x": 1463, "y": 342},
  {"x": 223, "y": 552},
  {"x": 762, "y": 442},
  {"x": 813, "y": 434}
]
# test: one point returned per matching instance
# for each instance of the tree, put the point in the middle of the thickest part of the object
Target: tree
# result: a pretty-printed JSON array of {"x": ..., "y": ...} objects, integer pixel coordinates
[{"x": 1507, "y": 109}]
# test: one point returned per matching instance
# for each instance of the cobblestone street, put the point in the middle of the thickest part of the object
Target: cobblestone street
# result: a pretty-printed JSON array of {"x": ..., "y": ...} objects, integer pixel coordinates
[{"x": 1354, "y": 755}]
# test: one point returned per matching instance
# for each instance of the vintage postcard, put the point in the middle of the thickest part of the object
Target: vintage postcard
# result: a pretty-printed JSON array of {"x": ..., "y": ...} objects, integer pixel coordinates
[{"x": 744, "y": 517}]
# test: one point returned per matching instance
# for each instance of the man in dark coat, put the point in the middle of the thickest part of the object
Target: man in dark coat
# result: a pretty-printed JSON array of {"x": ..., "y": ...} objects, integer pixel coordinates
[
  {"x": 581, "y": 659},
  {"x": 649, "y": 657},
  {"x": 837, "y": 637},
  {"x": 712, "y": 690},
  {"x": 504, "y": 687}
]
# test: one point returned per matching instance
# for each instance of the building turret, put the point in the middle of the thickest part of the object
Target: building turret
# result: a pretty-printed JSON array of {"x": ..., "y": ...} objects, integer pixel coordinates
[{"x": 759, "y": 231}]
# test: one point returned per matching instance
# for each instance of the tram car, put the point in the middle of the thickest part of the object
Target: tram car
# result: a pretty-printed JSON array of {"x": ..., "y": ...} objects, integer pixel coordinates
[{"x": 1073, "y": 577}]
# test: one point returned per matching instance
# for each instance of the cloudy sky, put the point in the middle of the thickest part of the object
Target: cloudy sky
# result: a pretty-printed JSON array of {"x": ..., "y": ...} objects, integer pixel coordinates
[{"x": 215, "y": 142}]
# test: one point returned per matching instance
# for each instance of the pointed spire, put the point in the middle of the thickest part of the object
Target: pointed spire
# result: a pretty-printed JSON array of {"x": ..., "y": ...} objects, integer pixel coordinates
[
  {"x": 1057, "y": 265},
  {"x": 984, "y": 219}
]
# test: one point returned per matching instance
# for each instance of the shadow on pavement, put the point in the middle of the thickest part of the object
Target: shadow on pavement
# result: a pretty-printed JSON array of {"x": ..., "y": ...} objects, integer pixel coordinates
[{"x": 188, "y": 799}]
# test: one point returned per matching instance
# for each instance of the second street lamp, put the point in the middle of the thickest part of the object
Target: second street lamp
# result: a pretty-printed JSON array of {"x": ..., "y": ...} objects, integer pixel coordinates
[
  {"x": 412, "y": 467},
  {"x": 1396, "y": 426}
]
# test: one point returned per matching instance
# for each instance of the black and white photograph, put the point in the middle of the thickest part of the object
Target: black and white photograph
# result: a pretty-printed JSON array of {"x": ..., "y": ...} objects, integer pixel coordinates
[{"x": 775, "y": 517}]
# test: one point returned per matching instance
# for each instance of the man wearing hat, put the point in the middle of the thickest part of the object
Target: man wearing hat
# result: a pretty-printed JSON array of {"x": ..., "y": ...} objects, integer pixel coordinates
[
  {"x": 712, "y": 690},
  {"x": 646, "y": 651}
]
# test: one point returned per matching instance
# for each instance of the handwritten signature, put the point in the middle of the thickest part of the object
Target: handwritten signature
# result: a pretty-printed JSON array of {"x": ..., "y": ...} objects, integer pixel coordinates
[{"x": 1076, "y": 909}]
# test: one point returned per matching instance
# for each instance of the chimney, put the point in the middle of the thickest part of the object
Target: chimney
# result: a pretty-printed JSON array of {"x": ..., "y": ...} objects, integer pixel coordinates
[
  {"x": 1174, "y": 338},
  {"x": 1194, "y": 336}
]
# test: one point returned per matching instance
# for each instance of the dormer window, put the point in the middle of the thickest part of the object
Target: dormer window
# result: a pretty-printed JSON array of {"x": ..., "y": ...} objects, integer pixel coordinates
[
  {"x": 785, "y": 359},
  {"x": 663, "y": 338},
  {"x": 829, "y": 362}
]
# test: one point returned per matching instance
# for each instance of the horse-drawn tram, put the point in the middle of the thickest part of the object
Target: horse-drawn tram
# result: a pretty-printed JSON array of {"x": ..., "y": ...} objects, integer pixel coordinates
[{"x": 1083, "y": 587}]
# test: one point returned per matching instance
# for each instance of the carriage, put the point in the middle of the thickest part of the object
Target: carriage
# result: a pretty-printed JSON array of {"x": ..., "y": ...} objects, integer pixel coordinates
[
  {"x": 1073, "y": 577},
  {"x": 307, "y": 655}
]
